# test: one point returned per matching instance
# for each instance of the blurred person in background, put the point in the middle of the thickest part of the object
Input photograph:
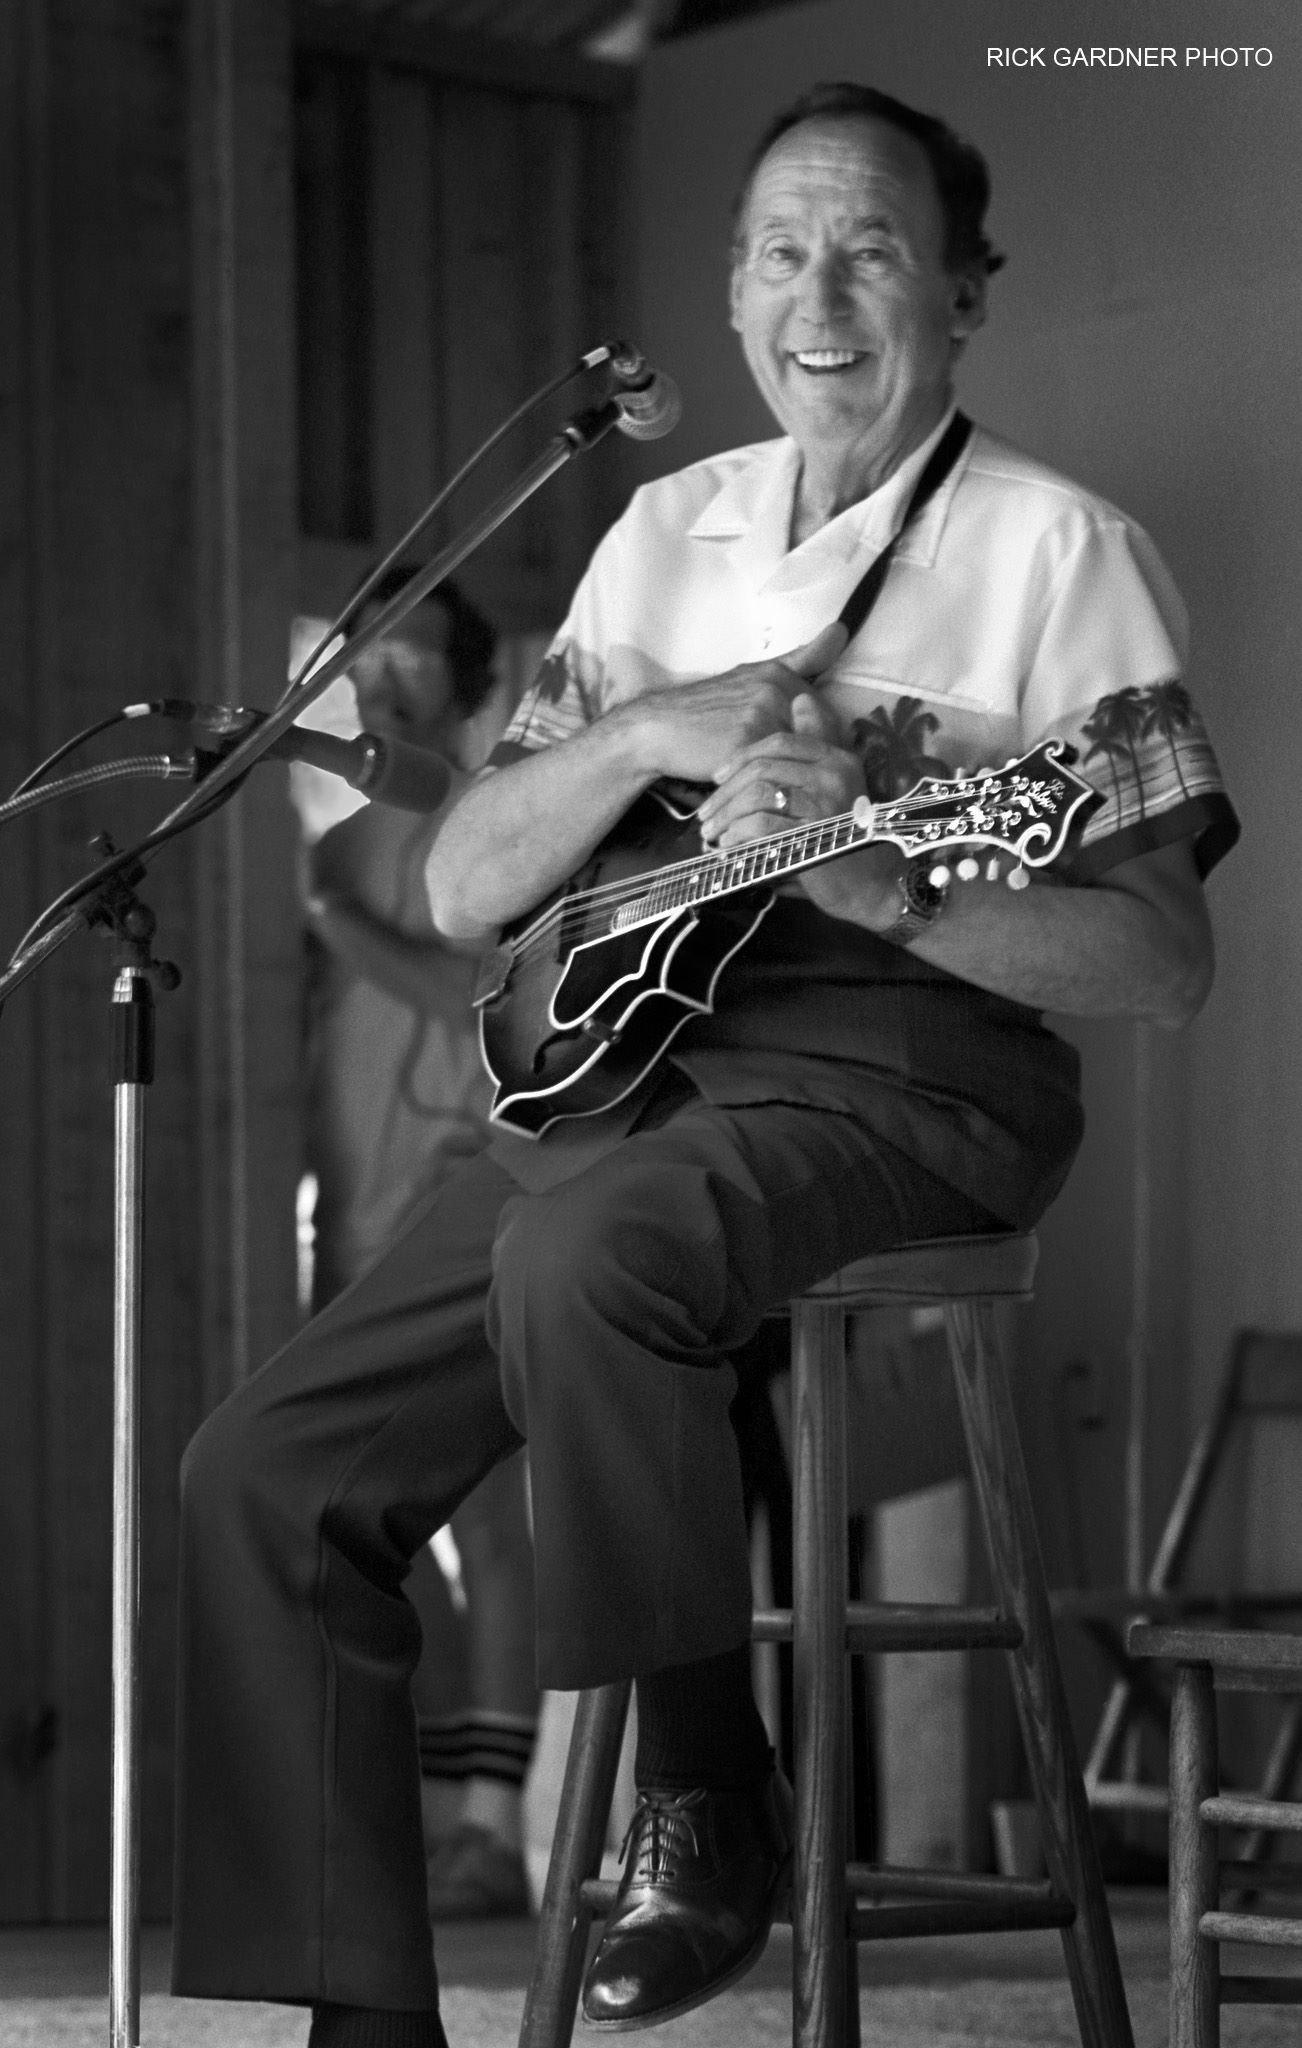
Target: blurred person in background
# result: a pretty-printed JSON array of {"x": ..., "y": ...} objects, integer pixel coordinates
[{"x": 397, "y": 1097}]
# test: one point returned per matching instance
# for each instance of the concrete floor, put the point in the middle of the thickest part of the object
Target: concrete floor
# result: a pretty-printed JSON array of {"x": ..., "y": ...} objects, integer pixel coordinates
[{"x": 971, "y": 1992}]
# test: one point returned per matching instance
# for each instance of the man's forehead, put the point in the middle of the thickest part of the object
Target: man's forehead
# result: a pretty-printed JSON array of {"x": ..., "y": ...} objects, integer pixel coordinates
[
  {"x": 427, "y": 626},
  {"x": 865, "y": 167}
]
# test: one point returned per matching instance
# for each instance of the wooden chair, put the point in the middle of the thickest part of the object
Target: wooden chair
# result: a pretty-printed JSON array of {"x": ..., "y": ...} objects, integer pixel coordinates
[
  {"x": 1208, "y": 1661},
  {"x": 837, "y": 1903},
  {"x": 1262, "y": 1382}
]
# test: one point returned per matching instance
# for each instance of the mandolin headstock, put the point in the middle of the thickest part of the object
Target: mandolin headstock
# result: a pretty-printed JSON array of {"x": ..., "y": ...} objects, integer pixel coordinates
[{"x": 1029, "y": 811}]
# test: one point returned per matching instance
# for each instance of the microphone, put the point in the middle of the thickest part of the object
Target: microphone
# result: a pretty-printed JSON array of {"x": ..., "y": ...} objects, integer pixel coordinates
[
  {"x": 386, "y": 771},
  {"x": 649, "y": 402}
]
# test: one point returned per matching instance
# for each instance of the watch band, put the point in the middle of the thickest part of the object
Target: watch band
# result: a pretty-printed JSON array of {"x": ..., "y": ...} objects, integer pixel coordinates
[{"x": 921, "y": 903}]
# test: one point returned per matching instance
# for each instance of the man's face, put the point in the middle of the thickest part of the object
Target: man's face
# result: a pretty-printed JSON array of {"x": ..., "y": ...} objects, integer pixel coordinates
[
  {"x": 847, "y": 314},
  {"x": 403, "y": 683}
]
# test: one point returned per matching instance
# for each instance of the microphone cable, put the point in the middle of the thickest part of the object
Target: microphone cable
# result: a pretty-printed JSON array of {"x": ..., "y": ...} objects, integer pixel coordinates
[{"x": 79, "y": 739}]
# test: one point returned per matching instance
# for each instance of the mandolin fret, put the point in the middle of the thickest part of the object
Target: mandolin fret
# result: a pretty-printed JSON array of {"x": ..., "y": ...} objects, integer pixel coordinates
[
  {"x": 723, "y": 874},
  {"x": 1023, "y": 813}
]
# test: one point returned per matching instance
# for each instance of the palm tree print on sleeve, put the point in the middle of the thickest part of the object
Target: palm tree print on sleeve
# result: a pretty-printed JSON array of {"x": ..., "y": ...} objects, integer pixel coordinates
[
  {"x": 1117, "y": 723},
  {"x": 1169, "y": 710},
  {"x": 892, "y": 745}
]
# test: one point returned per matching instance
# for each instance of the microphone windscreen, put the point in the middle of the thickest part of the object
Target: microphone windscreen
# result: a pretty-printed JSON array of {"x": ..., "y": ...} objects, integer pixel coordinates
[{"x": 409, "y": 778}]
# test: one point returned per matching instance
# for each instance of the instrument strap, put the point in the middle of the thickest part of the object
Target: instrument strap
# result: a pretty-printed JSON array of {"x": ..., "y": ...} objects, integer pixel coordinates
[{"x": 938, "y": 466}]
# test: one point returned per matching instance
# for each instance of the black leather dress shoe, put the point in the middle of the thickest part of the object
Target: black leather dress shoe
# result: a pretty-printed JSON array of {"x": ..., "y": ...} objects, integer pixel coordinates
[{"x": 704, "y": 1873}]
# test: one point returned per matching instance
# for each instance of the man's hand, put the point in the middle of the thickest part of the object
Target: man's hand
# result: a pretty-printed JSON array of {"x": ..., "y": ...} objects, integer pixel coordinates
[
  {"x": 818, "y": 778},
  {"x": 523, "y": 829},
  {"x": 692, "y": 729}
]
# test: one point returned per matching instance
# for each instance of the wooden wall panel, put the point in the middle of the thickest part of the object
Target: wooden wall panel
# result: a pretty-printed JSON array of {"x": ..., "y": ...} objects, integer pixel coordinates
[
  {"x": 494, "y": 258},
  {"x": 149, "y": 547}
]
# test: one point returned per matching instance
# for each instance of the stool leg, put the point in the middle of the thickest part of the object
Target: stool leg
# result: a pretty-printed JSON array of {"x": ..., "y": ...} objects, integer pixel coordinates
[
  {"x": 1195, "y": 1878},
  {"x": 1004, "y": 1495},
  {"x": 824, "y": 1961},
  {"x": 564, "y": 1920}
]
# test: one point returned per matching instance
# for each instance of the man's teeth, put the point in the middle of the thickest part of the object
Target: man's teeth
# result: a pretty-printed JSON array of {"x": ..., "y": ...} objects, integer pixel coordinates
[{"x": 826, "y": 358}]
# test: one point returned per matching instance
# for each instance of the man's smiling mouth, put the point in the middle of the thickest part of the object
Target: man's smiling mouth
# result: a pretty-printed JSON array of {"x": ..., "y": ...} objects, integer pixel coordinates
[{"x": 823, "y": 360}]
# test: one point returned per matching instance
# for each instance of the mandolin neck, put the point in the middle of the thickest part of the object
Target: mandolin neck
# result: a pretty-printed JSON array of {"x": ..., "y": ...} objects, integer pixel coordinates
[{"x": 709, "y": 876}]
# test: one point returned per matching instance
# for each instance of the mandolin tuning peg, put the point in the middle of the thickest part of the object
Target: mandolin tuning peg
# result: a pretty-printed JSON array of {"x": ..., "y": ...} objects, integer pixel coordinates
[
  {"x": 992, "y": 870},
  {"x": 939, "y": 876},
  {"x": 1019, "y": 879},
  {"x": 968, "y": 869}
]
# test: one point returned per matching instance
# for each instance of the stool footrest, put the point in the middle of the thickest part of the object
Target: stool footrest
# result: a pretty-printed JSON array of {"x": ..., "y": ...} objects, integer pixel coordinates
[
  {"x": 981, "y": 1904},
  {"x": 1261, "y": 1990},
  {"x": 1263, "y": 1930},
  {"x": 1245, "y": 1810},
  {"x": 1115, "y": 1795},
  {"x": 952, "y": 1916},
  {"x": 598, "y": 1894},
  {"x": 884, "y": 1626},
  {"x": 867, "y": 1880}
]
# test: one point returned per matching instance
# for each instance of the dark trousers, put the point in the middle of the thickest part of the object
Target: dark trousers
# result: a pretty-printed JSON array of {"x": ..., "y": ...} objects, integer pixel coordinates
[{"x": 300, "y": 1867}]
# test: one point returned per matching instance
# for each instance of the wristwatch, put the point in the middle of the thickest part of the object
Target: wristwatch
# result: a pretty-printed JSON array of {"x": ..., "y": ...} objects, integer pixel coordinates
[{"x": 921, "y": 902}]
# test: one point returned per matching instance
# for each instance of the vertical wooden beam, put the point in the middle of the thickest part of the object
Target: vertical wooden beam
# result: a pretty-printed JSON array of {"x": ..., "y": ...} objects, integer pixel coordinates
[
  {"x": 27, "y": 1696},
  {"x": 554, "y": 323},
  {"x": 244, "y": 498},
  {"x": 403, "y": 306},
  {"x": 482, "y": 292}
]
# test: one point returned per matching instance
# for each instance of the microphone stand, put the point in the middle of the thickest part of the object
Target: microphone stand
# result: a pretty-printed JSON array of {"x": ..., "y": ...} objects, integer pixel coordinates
[{"x": 107, "y": 897}]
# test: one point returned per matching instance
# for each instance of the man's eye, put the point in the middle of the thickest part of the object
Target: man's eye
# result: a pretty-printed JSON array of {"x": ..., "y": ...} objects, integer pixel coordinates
[
  {"x": 779, "y": 256},
  {"x": 872, "y": 254}
]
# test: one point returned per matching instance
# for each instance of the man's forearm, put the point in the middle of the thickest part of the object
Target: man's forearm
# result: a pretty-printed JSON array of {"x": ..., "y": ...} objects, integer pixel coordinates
[
  {"x": 1083, "y": 952},
  {"x": 520, "y": 831},
  {"x": 1136, "y": 944}
]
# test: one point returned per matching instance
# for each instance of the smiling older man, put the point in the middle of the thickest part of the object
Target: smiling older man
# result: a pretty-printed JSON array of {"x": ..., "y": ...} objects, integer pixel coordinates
[{"x": 862, "y": 1061}]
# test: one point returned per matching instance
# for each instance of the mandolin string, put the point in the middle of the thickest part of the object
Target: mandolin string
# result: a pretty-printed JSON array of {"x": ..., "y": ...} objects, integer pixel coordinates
[
  {"x": 610, "y": 896},
  {"x": 574, "y": 911}
]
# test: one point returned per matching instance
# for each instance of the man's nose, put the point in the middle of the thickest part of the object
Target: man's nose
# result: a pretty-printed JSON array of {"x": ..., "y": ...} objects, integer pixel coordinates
[
  {"x": 825, "y": 288},
  {"x": 377, "y": 692}
]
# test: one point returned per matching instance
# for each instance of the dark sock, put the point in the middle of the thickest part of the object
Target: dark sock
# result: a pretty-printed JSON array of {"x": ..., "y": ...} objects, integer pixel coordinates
[
  {"x": 698, "y": 1724},
  {"x": 361, "y": 2026}
]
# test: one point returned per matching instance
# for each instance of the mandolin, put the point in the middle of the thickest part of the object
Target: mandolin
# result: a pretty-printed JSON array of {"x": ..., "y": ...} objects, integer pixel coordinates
[{"x": 584, "y": 993}]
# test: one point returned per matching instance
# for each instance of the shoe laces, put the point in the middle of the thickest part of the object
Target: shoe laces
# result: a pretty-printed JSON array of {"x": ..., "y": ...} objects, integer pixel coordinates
[{"x": 661, "y": 1830}]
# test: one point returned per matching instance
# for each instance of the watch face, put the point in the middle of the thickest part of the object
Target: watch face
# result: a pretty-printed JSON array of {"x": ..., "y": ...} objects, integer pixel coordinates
[{"x": 921, "y": 893}]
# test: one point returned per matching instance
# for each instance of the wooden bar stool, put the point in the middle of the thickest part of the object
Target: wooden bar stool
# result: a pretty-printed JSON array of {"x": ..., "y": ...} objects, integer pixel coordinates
[
  {"x": 1208, "y": 1661},
  {"x": 835, "y": 1903}
]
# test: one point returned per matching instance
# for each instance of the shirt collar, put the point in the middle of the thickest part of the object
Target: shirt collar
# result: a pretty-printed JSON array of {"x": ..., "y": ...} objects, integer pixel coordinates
[{"x": 752, "y": 510}]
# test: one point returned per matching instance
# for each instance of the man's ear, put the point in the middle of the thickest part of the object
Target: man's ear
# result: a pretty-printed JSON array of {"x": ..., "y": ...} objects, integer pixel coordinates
[{"x": 967, "y": 305}]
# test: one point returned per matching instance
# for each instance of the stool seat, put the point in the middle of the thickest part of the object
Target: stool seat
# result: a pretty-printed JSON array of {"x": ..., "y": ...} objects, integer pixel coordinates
[
  {"x": 937, "y": 1269},
  {"x": 836, "y": 1902},
  {"x": 1270, "y": 1660}
]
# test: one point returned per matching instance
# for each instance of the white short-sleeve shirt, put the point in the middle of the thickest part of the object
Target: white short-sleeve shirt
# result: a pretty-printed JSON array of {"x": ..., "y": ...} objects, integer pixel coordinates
[{"x": 1018, "y": 607}]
